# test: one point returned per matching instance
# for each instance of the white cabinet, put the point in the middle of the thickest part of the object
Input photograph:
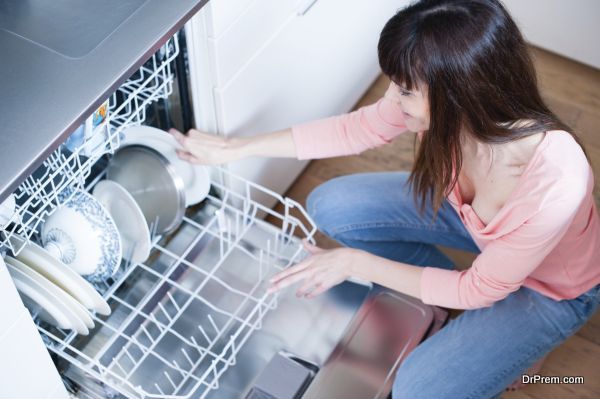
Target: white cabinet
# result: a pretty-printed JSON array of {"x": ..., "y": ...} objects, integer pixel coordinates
[
  {"x": 26, "y": 372},
  {"x": 314, "y": 64},
  {"x": 11, "y": 307},
  {"x": 236, "y": 45},
  {"x": 223, "y": 13},
  {"x": 569, "y": 28}
]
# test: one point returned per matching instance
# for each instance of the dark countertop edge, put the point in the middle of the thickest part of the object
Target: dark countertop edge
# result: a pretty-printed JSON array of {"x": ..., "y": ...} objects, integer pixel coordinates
[{"x": 16, "y": 181}]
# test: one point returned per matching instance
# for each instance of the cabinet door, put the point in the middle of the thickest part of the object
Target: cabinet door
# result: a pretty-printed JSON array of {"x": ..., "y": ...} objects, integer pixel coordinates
[
  {"x": 26, "y": 369},
  {"x": 319, "y": 64},
  {"x": 244, "y": 38},
  {"x": 12, "y": 307},
  {"x": 223, "y": 13}
]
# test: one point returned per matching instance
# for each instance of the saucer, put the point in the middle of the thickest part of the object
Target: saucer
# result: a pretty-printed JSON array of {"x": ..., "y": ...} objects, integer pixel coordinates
[
  {"x": 65, "y": 298},
  {"x": 130, "y": 221},
  {"x": 60, "y": 274},
  {"x": 51, "y": 308}
]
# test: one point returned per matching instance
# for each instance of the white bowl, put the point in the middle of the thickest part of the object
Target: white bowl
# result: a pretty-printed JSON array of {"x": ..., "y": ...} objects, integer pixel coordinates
[{"x": 81, "y": 234}]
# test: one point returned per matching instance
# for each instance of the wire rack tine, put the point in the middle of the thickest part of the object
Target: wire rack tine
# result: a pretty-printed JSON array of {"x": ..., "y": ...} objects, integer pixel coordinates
[{"x": 198, "y": 359}]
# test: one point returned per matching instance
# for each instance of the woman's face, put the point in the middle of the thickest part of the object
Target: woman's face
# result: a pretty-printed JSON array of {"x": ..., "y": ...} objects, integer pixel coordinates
[{"x": 415, "y": 107}]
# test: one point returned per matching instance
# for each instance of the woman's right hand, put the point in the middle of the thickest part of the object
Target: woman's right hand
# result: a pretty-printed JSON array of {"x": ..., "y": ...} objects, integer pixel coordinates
[{"x": 207, "y": 149}]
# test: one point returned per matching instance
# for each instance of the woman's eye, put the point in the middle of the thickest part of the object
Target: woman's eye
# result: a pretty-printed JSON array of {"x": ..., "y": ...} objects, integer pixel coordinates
[{"x": 405, "y": 92}]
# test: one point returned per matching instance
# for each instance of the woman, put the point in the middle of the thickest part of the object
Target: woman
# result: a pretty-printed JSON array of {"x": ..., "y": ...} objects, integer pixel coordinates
[{"x": 496, "y": 173}]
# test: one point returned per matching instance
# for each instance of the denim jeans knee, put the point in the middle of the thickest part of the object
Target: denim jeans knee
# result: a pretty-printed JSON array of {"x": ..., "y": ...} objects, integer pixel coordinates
[
  {"x": 313, "y": 201},
  {"x": 329, "y": 204},
  {"x": 410, "y": 381}
]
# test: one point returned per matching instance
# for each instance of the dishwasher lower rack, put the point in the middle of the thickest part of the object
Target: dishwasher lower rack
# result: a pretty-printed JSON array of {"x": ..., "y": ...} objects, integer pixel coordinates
[{"x": 179, "y": 319}]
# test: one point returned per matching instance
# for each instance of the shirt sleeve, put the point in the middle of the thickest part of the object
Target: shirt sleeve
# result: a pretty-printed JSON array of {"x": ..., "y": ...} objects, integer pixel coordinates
[
  {"x": 351, "y": 133},
  {"x": 504, "y": 263}
]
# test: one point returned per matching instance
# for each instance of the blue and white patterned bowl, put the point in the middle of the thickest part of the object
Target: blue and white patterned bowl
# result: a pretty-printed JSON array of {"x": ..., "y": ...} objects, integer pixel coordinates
[{"x": 82, "y": 235}]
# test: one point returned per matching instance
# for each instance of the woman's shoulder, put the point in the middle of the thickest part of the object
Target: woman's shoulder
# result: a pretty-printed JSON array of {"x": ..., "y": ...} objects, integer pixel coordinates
[
  {"x": 563, "y": 170},
  {"x": 563, "y": 152}
]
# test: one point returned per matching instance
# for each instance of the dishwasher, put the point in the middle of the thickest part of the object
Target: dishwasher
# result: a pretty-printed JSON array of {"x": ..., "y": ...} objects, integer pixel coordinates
[{"x": 194, "y": 320}]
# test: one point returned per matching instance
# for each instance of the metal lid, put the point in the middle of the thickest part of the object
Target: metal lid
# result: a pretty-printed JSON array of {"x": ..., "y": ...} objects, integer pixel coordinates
[{"x": 152, "y": 181}]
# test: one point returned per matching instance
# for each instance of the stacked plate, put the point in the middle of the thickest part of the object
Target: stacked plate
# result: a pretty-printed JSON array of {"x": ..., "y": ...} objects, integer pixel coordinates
[{"x": 56, "y": 293}]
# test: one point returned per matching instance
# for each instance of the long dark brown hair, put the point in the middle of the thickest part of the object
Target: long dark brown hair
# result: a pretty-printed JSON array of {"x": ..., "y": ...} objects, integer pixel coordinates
[{"x": 480, "y": 78}]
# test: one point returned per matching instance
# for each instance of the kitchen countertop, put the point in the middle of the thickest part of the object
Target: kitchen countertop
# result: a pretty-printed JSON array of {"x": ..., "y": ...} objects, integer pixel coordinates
[{"x": 61, "y": 60}]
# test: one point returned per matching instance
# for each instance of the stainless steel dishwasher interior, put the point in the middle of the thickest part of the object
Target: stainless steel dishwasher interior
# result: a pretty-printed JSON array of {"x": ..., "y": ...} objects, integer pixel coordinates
[{"x": 310, "y": 329}]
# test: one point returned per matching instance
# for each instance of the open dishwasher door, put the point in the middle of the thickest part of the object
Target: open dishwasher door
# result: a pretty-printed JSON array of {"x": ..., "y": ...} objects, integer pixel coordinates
[
  {"x": 363, "y": 332},
  {"x": 386, "y": 328}
]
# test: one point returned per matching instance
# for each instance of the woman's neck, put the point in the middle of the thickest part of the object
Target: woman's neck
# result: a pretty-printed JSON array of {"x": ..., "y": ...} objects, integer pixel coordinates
[{"x": 516, "y": 153}]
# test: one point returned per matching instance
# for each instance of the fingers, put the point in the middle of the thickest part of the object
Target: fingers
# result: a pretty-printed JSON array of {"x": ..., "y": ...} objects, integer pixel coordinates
[
  {"x": 310, "y": 248},
  {"x": 180, "y": 137},
  {"x": 287, "y": 281},
  {"x": 306, "y": 270},
  {"x": 187, "y": 156},
  {"x": 310, "y": 284},
  {"x": 290, "y": 270},
  {"x": 318, "y": 290}
]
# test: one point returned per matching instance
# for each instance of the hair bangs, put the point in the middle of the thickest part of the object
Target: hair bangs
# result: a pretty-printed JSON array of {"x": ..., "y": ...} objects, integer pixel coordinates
[{"x": 398, "y": 58}]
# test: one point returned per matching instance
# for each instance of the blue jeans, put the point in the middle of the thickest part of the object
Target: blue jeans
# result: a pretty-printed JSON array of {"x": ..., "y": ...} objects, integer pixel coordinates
[{"x": 479, "y": 353}]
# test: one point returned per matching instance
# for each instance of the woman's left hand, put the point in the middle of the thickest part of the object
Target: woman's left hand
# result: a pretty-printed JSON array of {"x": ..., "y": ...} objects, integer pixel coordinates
[{"x": 323, "y": 269}]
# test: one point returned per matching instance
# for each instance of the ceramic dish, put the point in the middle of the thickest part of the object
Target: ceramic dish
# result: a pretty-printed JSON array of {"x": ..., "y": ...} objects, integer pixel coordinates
[
  {"x": 42, "y": 262},
  {"x": 50, "y": 308},
  {"x": 153, "y": 183},
  {"x": 196, "y": 178},
  {"x": 59, "y": 293},
  {"x": 132, "y": 226},
  {"x": 82, "y": 234},
  {"x": 8, "y": 213}
]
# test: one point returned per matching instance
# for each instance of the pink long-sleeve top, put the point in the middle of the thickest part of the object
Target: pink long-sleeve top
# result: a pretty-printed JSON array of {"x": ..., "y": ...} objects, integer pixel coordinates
[{"x": 545, "y": 237}]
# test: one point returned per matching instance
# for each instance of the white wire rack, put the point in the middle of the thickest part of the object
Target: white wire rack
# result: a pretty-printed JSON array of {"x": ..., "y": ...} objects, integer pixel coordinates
[
  {"x": 36, "y": 197},
  {"x": 180, "y": 318}
]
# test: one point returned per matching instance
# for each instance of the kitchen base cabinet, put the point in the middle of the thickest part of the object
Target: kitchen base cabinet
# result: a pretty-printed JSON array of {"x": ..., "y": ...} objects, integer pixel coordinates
[
  {"x": 26, "y": 369},
  {"x": 318, "y": 62}
]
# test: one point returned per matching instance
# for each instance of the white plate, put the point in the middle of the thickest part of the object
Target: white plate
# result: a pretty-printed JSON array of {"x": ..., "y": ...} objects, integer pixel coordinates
[
  {"x": 130, "y": 221},
  {"x": 60, "y": 274},
  {"x": 51, "y": 308},
  {"x": 8, "y": 211},
  {"x": 196, "y": 178},
  {"x": 65, "y": 298}
]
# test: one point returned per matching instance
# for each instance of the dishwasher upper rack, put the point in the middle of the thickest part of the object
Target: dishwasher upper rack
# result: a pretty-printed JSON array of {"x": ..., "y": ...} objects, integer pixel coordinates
[
  {"x": 37, "y": 196},
  {"x": 202, "y": 294}
]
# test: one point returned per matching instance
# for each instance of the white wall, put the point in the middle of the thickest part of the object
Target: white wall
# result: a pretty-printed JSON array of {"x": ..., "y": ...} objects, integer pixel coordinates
[{"x": 567, "y": 27}]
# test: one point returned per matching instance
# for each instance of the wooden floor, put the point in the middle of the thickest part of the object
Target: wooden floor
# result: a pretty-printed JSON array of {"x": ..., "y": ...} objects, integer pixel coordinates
[{"x": 572, "y": 90}]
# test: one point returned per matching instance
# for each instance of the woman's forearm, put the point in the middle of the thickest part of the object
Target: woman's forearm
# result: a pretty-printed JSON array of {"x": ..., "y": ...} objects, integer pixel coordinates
[
  {"x": 398, "y": 276},
  {"x": 278, "y": 144}
]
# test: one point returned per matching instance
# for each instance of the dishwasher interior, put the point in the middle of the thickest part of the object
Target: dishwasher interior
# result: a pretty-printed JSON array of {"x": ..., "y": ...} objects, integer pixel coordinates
[{"x": 194, "y": 320}]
